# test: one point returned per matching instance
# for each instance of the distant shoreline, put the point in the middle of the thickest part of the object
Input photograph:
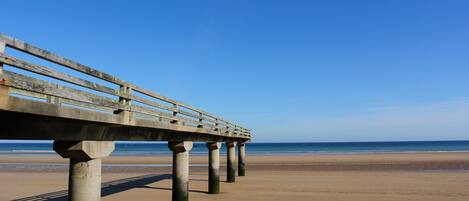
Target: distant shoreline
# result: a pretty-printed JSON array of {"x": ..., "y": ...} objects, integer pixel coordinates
[
  {"x": 258, "y": 149},
  {"x": 325, "y": 153}
]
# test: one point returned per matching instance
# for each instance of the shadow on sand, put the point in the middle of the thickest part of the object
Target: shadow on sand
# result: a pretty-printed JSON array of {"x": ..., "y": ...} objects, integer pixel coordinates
[{"x": 107, "y": 188}]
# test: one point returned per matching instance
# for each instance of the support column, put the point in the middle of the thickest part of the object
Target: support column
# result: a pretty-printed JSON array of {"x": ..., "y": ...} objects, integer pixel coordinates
[
  {"x": 84, "y": 179},
  {"x": 180, "y": 169},
  {"x": 241, "y": 159},
  {"x": 230, "y": 162},
  {"x": 213, "y": 167}
]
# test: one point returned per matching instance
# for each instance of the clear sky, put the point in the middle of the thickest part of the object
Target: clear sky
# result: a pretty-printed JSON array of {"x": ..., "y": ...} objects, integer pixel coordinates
[{"x": 290, "y": 70}]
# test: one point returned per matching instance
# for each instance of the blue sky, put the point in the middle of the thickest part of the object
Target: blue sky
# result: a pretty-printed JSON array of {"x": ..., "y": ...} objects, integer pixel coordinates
[{"x": 290, "y": 70}]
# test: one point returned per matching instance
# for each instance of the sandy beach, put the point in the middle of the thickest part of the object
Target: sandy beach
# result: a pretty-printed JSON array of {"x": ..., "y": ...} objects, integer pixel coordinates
[{"x": 331, "y": 177}]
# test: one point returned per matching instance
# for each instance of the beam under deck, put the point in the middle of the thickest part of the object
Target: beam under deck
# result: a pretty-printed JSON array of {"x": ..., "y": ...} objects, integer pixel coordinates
[{"x": 33, "y": 120}]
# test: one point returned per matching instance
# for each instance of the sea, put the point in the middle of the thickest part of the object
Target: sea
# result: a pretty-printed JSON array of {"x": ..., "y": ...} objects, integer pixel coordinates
[{"x": 152, "y": 149}]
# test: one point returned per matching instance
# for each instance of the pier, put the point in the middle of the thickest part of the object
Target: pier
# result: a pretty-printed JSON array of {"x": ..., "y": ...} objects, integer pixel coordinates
[{"x": 85, "y": 116}]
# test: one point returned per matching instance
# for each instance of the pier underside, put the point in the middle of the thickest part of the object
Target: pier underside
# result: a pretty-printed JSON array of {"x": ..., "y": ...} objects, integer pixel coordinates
[
  {"x": 16, "y": 125},
  {"x": 33, "y": 120}
]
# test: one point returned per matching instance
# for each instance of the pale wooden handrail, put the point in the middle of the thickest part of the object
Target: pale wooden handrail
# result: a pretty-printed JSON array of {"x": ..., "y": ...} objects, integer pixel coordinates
[{"x": 34, "y": 87}]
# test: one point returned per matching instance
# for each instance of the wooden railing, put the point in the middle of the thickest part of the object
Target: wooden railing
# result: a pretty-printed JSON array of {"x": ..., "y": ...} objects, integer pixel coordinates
[{"x": 124, "y": 97}]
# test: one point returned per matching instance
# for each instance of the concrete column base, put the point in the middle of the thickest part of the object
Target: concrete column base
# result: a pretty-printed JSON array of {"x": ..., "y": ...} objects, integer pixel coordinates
[
  {"x": 84, "y": 181},
  {"x": 230, "y": 162},
  {"x": 213, "y": 167},
  {"x": 180, "y": 170}
]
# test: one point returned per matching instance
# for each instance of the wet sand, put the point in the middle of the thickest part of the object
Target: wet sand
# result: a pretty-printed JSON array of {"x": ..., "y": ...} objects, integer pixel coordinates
[{"x": 351, "y": 177}]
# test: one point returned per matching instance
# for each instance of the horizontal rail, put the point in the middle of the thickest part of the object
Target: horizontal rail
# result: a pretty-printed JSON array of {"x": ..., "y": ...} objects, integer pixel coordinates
[
  {"x": 44, "y": 54},
  {"x": 33, "y": 87},
  {"x": 12, "y": 61}
]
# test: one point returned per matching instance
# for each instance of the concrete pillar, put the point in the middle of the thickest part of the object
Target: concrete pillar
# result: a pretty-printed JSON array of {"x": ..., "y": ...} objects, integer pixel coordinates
[
  {"x": 84, "y": 179},
  {"x": 213, "y": 167},
  {"x": 180, "y": 169},
  {"x": 230, "y": 162},
  {"x": 241, "y": 159}
]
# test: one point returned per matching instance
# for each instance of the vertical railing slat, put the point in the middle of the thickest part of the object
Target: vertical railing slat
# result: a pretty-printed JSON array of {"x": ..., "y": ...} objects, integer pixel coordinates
[
  {"x": 124, "y": 98},
  {"x": 201, "y": 119},
  {"x": 2, "y": 50},
  {"x": 175, "y": 121},
  {"x": 216, "y": 125}
]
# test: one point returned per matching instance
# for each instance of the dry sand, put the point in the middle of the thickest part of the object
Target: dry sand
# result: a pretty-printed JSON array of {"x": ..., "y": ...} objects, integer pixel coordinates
[{"x": 355, "y": 177}]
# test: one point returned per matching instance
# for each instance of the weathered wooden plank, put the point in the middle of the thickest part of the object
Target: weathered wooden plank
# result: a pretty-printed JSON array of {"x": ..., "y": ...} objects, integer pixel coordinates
[
  {"x": 42, "y": 70},
  {"x": 149, "y": 111},
  {"x": 211, "y": 120},
  {"x": 209, "y": 125},
  {"x": 28, "y": 93},
  {"x": 152, "y": 103},
  {"x": 222, "y": 125},
  {"x": 43, "y": 87},
  {"x": 213, "y": 116},
  {"x": 192, "y": 121},
  {"x": 152, "y": 94},
  {"x": 86, "y": 105},
  {"x": 139, "y": 115},
  {"x": 188, "y": 114},
  {"x": 220, "y": 120},
  {"x": 2, "y": 50},
  {"x": 169, "y": 100},
  {"x": 44, "y": 54}
]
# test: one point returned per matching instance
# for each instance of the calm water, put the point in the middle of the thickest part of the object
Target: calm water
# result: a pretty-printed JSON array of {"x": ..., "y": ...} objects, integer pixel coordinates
[{"x": 141, "y": 149}]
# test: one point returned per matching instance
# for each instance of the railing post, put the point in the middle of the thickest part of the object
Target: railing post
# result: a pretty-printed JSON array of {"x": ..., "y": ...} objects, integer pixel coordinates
[
  {"x": 2, "y": 50},
  {"x": 201, "y": 119},
  {"x": 53, "y": 99},
  {"x": 227, "y": 128},
  {"x": 124, "y": 107},
  {"x": 124, "y": 98},
  {"x": 230, "y": 162},
  {"x": 174, "y": 120},
  {"x": 84, "y": 181},
  {"x": 180, "y": 169},
  {"x": 216, "y": 125},
  {"x": 213, "y": 167}
]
